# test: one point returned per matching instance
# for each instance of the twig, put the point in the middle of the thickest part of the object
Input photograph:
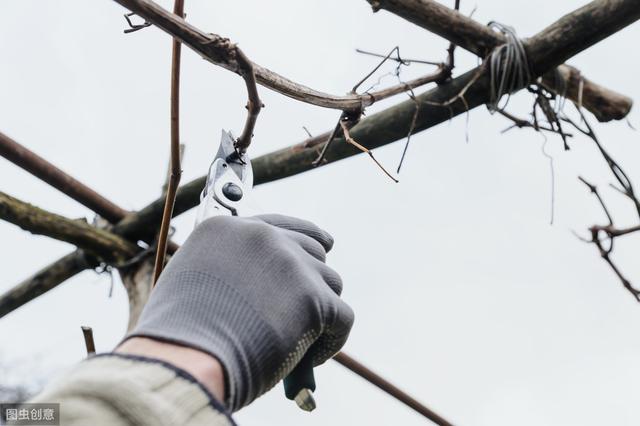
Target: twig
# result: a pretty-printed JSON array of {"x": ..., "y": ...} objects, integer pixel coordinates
[
  {"x": 377, "y": 380},
  {"x": 407, "y": 86},
  {"x": 441, "y": 75},
  {"x": 165, "y": 186},
  {"x": 451, "y": 61},
  {"x": 521, "y": 123},
  {"x": 605, "y": 252},
  {"x": 395, "y": 50},
  {"x": 254, "y": 104},
  {"x": 353, "y": 116},
  {"x": 87, "y": 333},
  {"x": 321, "y": 157},
  {"x": 543, "y": 101},
  {"x": 412, "y": 126},
  {"x": 176, "y": 170},
  {"x": 403, "y": 61},
  {"x": 445, "y": 72},
  {"x": 594, "y": 191},
  {"x": 618, "y": 172},
  {"x": 478, "y": 72},
  {"x": 609, "y": 230},
  {"x": 619, "y": 232},
  {"x": 348, "y": 138}
]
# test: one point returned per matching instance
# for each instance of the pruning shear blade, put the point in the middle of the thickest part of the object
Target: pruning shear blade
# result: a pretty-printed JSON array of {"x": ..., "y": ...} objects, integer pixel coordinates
[{"x": 229, "y": 183}]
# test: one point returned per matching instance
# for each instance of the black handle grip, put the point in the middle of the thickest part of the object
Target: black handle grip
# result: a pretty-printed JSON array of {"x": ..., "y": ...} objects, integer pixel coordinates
[{"x": 300, "y": 378}]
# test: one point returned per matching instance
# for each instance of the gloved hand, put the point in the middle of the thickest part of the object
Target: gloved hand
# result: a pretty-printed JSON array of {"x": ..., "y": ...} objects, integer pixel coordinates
[{"x": 256, "y": 294}]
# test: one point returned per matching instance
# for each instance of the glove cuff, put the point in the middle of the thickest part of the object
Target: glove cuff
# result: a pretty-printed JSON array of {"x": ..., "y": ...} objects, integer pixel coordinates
[{"x": 224, "y": 320}]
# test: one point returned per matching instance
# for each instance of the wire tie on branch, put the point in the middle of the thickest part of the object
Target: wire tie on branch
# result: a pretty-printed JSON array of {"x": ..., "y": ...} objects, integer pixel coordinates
[
  {"x": 100, "y": 223},
  {"x": 149, "y": 251},
  {"x": 508, "y": 67},
  {"x": 134, "y": 27}
]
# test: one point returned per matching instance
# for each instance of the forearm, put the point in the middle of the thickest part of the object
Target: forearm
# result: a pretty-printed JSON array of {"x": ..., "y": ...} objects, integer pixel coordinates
[
  {"x": 125, "y": 389},
  {"x": 202, "y": 366}
]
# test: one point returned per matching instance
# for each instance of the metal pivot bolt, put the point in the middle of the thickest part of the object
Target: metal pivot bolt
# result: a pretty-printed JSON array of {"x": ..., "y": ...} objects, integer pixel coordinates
[{"x": 232, "y": 191}]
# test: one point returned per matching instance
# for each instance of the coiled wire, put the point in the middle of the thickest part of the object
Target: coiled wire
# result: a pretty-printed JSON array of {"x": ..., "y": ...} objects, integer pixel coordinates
[{"x": 509, "y": 67}]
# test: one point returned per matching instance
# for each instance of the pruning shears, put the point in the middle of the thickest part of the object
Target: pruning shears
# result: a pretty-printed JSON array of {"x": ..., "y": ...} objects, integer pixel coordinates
[{"x": 227, "y": 192}]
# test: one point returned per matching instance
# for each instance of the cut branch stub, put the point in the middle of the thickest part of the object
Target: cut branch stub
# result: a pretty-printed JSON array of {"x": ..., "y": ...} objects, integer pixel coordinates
[{"x": 603, "y": 103}]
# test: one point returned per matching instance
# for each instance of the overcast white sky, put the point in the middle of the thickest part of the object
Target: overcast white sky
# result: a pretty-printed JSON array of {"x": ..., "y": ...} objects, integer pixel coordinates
[{"x": 464, "y": 295}]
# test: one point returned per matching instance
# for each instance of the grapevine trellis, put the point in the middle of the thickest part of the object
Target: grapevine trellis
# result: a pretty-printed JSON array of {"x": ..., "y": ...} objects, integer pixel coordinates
[{"x": 127, "y": 241}]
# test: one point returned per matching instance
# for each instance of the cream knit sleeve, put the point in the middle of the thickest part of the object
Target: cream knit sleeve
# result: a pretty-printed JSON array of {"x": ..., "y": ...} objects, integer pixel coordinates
[{"x": 119, "y": 390}]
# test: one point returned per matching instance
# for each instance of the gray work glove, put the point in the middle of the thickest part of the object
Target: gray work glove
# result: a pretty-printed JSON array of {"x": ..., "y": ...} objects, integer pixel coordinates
[{"x": 256, "y": 294}]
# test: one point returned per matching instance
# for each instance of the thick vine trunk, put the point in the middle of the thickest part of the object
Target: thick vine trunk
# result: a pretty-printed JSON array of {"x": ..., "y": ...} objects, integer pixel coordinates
[{"x": 137, "y": 281}]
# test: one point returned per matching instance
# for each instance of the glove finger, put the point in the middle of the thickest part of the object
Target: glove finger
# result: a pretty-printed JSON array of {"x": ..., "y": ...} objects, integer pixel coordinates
[
  {"x": 299, "y": 225},
  {"x": 335, "y": 334},
  {"x": 332, "y": 279},
  {"x": 310, "y": 245}
]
